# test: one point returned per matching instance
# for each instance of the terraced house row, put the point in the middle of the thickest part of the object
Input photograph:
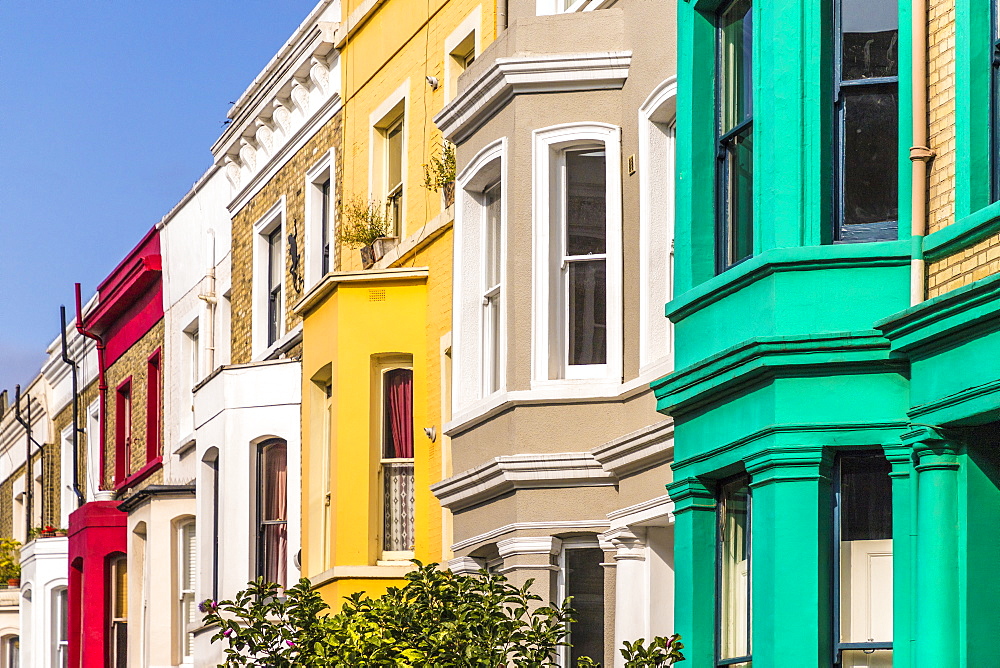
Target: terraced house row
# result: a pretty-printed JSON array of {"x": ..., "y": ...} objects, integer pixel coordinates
[{"x": 687, "y": 310}]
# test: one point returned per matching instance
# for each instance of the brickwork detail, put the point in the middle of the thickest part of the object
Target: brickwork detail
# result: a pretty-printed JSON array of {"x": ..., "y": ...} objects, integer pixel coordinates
[
  {"x": 132, "y": 364},
  {"x": 941, "y": 109},
  {"x": 963, "y": 268},
  {"x": 290, "y": 183}
]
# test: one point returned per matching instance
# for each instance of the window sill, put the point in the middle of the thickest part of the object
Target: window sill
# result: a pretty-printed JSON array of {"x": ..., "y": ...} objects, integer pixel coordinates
[
  {"x": 282, "y": 345},
  {"x": 140, "y": 475}
]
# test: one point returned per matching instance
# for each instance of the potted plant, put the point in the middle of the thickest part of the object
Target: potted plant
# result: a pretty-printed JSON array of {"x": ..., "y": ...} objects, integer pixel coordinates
[
  {"x": 10, "y": 561},
  {"x": 439, "y": 173},
  {"x": 365, "y": 226},
  {"x": 60, "y": 533},
  {"x": 48, "y": 531}
]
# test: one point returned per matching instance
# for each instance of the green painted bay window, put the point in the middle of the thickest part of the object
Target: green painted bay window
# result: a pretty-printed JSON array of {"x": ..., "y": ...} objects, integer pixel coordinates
[
  {"x": 863, "y": 526},
  {"x": 866, "y": 99},
  {"x": 733, "y": 573},
  {"x": 734, "y": 233}
]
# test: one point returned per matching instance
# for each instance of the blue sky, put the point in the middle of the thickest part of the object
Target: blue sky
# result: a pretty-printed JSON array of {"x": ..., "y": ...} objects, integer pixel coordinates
[{"x": 109, "y": 108}]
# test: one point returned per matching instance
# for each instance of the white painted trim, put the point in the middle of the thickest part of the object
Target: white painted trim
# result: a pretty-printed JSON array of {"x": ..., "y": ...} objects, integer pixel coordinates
[
  {"x": 376, "y": 147},
  {"x": 522, "y": 545},
  {"x": 465, "y": 565},
  {"x": 271, "y": 220},
  {"x": 511, "y": 472},
  {"x": 638, "y": 450},
  {"x": 468, "y": 357},
  {"x": 548, "y": 144},
  {"x": 321, "y": 170},
  {"x": 555, "y": 527},
  {"x": 521, "y": 75},
  {"x": 644, "y": 513},
  {"x": 656, "y": 103}
]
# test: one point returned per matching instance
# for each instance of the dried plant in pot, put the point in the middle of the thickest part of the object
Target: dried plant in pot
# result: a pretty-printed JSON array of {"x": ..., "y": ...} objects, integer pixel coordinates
[
  {"x": 439, "y": 173},
  {"x": 366, "y": 227}
]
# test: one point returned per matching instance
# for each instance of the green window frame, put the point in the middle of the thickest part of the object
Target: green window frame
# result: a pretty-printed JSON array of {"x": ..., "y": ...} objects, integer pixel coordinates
[{"x": 733, "y": 574}]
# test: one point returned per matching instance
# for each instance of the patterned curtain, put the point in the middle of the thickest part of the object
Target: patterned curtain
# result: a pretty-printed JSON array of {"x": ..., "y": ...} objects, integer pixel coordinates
[{"x": 398, "y": 476}]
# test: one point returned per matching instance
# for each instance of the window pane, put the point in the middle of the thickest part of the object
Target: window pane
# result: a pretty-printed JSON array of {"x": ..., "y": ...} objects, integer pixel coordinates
[
  {"x": 586, "y": 202},
  {"x": 397, "y": 440},
  {"x": 275, "y": 476},
  {"x": 585, "y": 583},
  {"x": 274, "y": 258},
  {"x": 736, "y": 62},
  {"x": 325, "y": 226},
  {"x": 492, "y": 320},
  {"x": 870, "y": 38},
  {"x": 398, "y": 503},
  {"x": 492, "y": 205},
  {"x": 394, "y": 144},
  {"x": 587, "y": 312},
  {"x": 870, "y": 163},
  {"x": 856, "y": 658},
  {"x": 739, "y": 196},
  {"x": 734, "y": 567},
  {"x": 866, "y": 497}
]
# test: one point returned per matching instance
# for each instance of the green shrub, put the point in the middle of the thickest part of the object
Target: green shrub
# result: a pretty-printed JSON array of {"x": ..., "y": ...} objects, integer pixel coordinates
[{"x": 364, "y": 221}]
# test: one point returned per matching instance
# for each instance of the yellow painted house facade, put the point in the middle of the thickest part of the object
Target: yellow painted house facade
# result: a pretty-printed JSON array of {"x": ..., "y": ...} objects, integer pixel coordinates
[{"x": 376, "y": 337}]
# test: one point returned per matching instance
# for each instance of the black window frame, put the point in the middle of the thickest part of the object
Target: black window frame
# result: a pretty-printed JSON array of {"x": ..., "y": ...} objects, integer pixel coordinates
[
  {"x": 840, "y": 647},
  {"x": 839, "y": 131},
  {"x": 324, "y": 217},
  {"x": 719, "y": 528},
  {"x": 725, "y": 142}
]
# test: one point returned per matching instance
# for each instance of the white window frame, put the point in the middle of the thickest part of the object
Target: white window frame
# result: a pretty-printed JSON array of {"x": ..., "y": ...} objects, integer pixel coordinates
[
  {"x": 469, "y": 356},
  {"x": 549, "y": 340},
  {"x": 394, "y": 108},
  {"x": 571, "y": 543},
  {"x": 265, "y": 225},
  {"x": 321, "y": 172},
  {"x": 185, "y": 596},
  {"x": 67, "y": 496},
  {"x": 456, "y": 49},
  {"x": 657, "y": 142},
  {"x": 59, "y": 646}
]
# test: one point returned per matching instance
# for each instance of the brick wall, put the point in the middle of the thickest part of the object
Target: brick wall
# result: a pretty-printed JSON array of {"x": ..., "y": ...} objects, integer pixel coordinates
[
  {"x": 132, "y": 363},
  {"x": 61, "y": 421},
  {"x": 290, "y": 183}
]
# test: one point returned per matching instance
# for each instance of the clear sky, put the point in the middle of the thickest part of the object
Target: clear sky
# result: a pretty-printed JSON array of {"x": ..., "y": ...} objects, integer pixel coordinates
[{"x": 108, "y": 109}]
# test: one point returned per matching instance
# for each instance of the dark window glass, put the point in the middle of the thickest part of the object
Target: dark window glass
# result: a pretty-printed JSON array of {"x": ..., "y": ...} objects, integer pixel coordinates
[
  {"x": 735, "y": 150},
  {"x": 325, "y": 225},
  {"x": 865, "y": 497},
  {"x": 867, "y": 110},
  {"x": 585, "y": 583},
  {"x": 588, "y": 312},
  {"x": 274, "y": 270},
  {"x": 586, "y": 202},
  {"x": 733, "y": 571}
]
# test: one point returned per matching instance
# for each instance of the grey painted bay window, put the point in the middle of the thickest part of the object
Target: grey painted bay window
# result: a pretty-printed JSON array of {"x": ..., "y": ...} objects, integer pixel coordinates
[
  {"x": 734, "y": 234},
  {"x": 733, "y": 573},
  {"x": 863, "y": 526},
  {"x": 585, "y": 258},
  {"x": 866, "y": 83}
]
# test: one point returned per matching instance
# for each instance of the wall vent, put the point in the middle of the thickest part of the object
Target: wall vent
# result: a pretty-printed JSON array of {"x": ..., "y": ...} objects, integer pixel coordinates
[{"x": 376, "y": 295}]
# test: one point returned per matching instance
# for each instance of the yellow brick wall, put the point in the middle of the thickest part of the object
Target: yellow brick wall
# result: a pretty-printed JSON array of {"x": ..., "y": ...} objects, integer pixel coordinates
[
  {"x": 133, "y": 363},
  {"x": 290, "y": 183}
]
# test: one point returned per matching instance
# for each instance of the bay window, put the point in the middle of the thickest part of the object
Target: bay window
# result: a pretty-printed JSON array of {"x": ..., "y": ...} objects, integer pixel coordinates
[
  {"x": 491, "y": 289},
  {"x": 735, "y": 226},
  {"x": 272, "y": 512},
  {"x": 866, "y": 99},
  {"x": 863, "y": 533},
  {"x": 396, "y": 463},
  {"x": 733, "y": 573}
]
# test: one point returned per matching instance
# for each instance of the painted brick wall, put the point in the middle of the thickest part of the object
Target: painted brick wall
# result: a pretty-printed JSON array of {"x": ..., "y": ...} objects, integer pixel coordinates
[
  {"x": 132, "y": 363},
  {"x": 290, "y": 183}
]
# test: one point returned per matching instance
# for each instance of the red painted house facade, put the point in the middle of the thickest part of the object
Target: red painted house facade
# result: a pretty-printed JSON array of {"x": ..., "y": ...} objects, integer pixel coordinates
[{"x": 127, "y": 324}]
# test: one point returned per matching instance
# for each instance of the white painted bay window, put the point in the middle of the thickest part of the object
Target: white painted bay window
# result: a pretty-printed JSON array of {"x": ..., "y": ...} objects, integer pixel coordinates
[{"x": 578, "y": 298}]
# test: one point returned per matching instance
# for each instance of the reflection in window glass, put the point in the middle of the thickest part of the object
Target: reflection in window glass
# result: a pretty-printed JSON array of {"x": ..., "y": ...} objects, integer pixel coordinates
[
  {"x": 735, "y": 150},
  {"x": 584, "y": 581},
  {"x": 734, "y": 570},
  {"x": 867, "y": 109},
  {"x": 491, "y": 295}
]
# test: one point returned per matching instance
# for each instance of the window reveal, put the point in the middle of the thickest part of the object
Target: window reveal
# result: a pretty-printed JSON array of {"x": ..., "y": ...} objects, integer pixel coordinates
[
  {"x": 734, "y": 228},
  {"x": 867, "y": 110}
]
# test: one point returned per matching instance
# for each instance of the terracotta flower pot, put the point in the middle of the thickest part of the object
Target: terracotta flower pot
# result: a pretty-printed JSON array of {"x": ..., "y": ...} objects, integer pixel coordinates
[{"x": 14, "y": 582}]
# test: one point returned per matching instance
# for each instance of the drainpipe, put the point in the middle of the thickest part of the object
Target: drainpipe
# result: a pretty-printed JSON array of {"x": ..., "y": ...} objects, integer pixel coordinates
[
  {"x": 28, "y": 468},
  {"x": 209, "y": 297},
  {"x": 76, "y": 410},
  {"x": 102, "y": 383},
  {"x": 920, "y": 154},
  {"x": 501, "y": 16}
]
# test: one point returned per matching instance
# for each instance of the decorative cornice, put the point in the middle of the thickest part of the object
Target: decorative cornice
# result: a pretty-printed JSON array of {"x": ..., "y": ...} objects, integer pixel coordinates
[
  {"x": 465, "y": 566},
  {"x": 519, "y": 75},
  {"x": 661, "y": 506},
  {"x": 979, "y": 400},
  {"x": 639, "y": 450},
  {"x": 627, "y": 545},
  {"x": 524, "y": 545},
  {"x": 510, "y": 472},
  {"x": 768, "y": 356},
  {"x": 555, "y": 526}
]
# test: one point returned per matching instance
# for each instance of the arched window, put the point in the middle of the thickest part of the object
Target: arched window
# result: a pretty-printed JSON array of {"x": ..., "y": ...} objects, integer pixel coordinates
[{"x": 272, "y": 511}]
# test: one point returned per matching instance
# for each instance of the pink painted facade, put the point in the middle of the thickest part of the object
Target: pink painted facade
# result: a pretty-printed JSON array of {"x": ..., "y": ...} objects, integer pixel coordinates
[{"x": 130, "y": 304}]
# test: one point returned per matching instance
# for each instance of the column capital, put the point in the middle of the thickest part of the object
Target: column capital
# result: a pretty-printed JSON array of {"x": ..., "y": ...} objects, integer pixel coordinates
[
  {"x": 933, "y": 448},
  {"x": 900, "y": 456},
  {"x": 522, "y": 545},
  {"x": 465, "y": 566},
  {"x": 628, "y": 543},
  {"x": 790, "y": 464},
  {"x": 691, "y": 494}
]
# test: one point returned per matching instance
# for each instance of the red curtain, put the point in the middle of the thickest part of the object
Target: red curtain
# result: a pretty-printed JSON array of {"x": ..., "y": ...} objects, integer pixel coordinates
[{"x": 399, "y": 391}]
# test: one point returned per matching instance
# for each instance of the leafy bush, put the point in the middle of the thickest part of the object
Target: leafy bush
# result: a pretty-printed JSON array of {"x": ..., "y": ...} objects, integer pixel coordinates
[
  {"x": 10, "y": 559},
  {"x": 438, "y": 619}
]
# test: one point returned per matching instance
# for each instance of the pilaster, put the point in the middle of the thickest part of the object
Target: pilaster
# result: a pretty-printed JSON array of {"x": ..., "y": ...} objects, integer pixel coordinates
[
  {"x": 904, "y": 585},
  {"x": 791, "y": 557},
  {"x": 632, "y": 609}
]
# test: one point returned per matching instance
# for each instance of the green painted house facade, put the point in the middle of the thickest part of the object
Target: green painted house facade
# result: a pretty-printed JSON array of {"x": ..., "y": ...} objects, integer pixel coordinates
[{"x": 837, "y": 388}]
